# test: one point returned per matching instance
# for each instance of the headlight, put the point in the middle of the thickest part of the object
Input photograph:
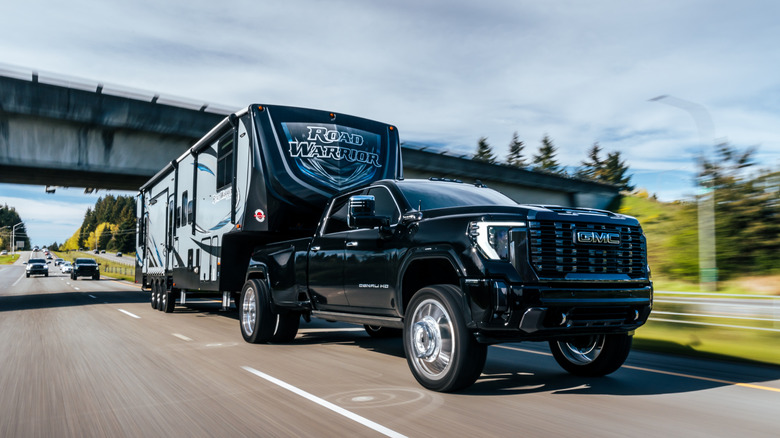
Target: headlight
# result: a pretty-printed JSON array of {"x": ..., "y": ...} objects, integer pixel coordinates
[{"x": 492, "y": 238}]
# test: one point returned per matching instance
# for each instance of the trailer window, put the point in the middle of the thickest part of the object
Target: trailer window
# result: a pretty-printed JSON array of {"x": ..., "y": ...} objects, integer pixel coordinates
[
  {"x": 225, "y": 161},
  {"x": 184, "y": 213}
]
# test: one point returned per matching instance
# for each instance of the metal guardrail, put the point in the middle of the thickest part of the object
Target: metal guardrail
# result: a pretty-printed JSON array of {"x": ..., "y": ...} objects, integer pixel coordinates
[
  {"x": 120, "y": 270},
  {"x": 756, "y": 312}
]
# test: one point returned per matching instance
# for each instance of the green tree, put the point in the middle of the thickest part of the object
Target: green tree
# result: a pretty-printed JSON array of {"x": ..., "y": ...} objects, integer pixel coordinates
[
  {"x": 8, "y": 218},
  {"x": 515, "y": 156},
  {"x": 747, "y": 212},
  {"x": 614, "y": 172},
  {"x": 592, "y": 167},
  {"x": 610, "y": 170},
  {"x": 484, "y": 152},
  {"x": 545, "y": 160}
]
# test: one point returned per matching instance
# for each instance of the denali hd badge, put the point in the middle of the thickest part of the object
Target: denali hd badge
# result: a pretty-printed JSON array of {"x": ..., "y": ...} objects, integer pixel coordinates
[
  {"x": 337, "y": 156},
  {"x": 592, "y": 237}
]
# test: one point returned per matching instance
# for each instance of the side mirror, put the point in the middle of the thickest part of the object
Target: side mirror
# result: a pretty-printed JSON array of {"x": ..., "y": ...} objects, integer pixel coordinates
[{"x": 362, "y": 213}]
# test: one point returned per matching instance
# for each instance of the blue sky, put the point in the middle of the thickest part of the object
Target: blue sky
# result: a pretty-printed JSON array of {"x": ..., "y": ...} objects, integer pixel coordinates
[{"x": 445, "y": 72}]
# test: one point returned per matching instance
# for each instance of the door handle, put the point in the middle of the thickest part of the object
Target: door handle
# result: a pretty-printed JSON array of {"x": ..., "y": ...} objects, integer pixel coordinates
[
  {"x": 352, "y": 244},
  {"x": 315, "y": 248}
]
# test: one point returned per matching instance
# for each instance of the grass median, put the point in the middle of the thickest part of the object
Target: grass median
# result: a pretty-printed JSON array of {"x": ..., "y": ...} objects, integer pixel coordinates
[
  {"x": 8, "y": 259},
  {"x": 108, "y": 268},
  {"x": 737, "y": 344}
]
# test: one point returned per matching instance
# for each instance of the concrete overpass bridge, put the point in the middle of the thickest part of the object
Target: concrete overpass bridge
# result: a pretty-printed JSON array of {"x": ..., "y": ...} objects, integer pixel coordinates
[{"x": 61, "y": 132}]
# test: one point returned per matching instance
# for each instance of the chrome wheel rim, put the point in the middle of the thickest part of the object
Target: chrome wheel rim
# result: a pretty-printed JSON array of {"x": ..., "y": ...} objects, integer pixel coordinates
[
  {"x": 249, "y": 312},
  {"x": 432, "y": 339},
  {"x": 582, "y": 351}
]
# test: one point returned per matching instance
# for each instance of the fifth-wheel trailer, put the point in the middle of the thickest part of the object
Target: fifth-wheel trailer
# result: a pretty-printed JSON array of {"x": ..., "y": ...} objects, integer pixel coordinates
[{"x": 301, "y": 213}]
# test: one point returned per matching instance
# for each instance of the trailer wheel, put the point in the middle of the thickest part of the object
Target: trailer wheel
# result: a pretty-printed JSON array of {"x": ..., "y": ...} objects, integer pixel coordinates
[
  {"x": 153, "y": 294},
  {"x": 158, "y": 295},
  {"x": 168, "y": 300},
  {"x": 378, "y": 332},
  {"x": 592, "y": 356},
  {"x": 442, "y": 354},
  {"x": 258, "y": 322},
  {"x": 286, "y": 327}
]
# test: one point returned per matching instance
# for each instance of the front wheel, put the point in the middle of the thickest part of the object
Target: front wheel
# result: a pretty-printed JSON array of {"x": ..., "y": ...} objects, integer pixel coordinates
[
  {"x": 442, "y": 354},
  {"x": 592, "y": 356}
]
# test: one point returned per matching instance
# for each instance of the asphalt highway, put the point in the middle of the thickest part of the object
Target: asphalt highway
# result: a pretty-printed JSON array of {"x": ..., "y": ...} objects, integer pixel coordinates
[{"x": 92, "y": 358}]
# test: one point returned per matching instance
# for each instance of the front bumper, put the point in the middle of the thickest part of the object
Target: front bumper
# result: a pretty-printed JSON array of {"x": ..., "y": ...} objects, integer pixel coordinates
[{"x": 558, "y": 310}]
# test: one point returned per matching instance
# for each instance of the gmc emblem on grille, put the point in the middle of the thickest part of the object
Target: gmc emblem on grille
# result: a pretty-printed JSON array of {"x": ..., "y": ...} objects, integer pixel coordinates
[{"x": 595, "y": 237}]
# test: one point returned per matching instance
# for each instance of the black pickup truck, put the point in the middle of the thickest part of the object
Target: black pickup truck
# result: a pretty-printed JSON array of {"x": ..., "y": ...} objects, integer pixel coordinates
[{"x": 453, "y": 268}]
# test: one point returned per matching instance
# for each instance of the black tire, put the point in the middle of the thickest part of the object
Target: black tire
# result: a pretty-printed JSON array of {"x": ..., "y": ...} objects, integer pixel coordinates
[
  {"x": 257, "y": 321},
  {"x": 168, "y": 300},
  {"x": 46, "y": 274},
  {"x": 378, "y": 332},
  {"x": 96, "y": 277},
  {"x": 160, "y": 290},
  {"x": 592, "y": 356},
  {"x": 153, "y": 294},
  {"x": 28, "y": 275},
  {"x": 434, "y": 324},
  {"x": 286, "y": 327}
]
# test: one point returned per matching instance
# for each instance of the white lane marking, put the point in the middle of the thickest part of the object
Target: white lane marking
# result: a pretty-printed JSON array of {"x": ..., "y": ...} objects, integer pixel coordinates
[
  {"x": 182, "y": 337},
  {"x": 18, "y": 280},
  {"x": 92, "y": 296},
  {"x": 129, "y": 314},
  {"x": 326, "y": 404},
  {"x": 76, "y": 288}
]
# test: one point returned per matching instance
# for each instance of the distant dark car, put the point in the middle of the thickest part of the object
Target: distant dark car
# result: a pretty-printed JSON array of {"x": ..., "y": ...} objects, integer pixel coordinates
[
  {"x": 83, "y": 267},
  {"x": 49, "y": 257},
  {"x": 103, "y": 251},
  {"x": 58, "y": 261},
  {"x": 119, "y": 254},
  {"x": 37, "y": 267}
]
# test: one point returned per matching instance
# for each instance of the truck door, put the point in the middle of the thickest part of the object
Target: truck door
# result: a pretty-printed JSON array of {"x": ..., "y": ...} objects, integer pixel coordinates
[
  {"x": 370, "y": 264},
  {"x": 326, "y": 259}
]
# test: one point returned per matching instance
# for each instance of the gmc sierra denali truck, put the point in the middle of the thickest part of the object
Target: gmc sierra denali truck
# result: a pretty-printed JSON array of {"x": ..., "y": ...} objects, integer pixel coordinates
[{"x": 457, "y": 267}]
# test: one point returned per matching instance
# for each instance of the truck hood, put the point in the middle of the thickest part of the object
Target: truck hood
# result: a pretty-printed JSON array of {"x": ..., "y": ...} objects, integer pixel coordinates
[{"x": 533, "y": 212}]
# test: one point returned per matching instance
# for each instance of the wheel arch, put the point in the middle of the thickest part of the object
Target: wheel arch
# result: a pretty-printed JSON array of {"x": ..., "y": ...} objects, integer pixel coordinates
[{"x": 427, "y": 267}]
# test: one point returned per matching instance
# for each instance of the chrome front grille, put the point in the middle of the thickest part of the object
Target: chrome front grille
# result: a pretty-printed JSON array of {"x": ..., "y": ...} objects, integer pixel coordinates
[{"x": 554, "y": 253}]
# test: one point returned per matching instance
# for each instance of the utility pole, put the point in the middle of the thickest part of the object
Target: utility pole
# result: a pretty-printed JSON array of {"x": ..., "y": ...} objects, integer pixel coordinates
[
  {"x": 13, "y": 237},
  {"x": 708, "y": 270}
]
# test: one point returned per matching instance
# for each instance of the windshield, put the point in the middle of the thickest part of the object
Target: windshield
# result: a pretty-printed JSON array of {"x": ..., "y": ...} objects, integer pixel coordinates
[
  {"x": 86, "y": 261},
  {"x": 37, "y": 261},
  {"x": 425, "y": 195}
]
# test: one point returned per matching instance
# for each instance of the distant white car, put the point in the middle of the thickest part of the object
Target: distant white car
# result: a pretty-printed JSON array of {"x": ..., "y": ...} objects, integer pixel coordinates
[
  {"x": 4, "y": 252},
  {"x": 66, "y": 267}
]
